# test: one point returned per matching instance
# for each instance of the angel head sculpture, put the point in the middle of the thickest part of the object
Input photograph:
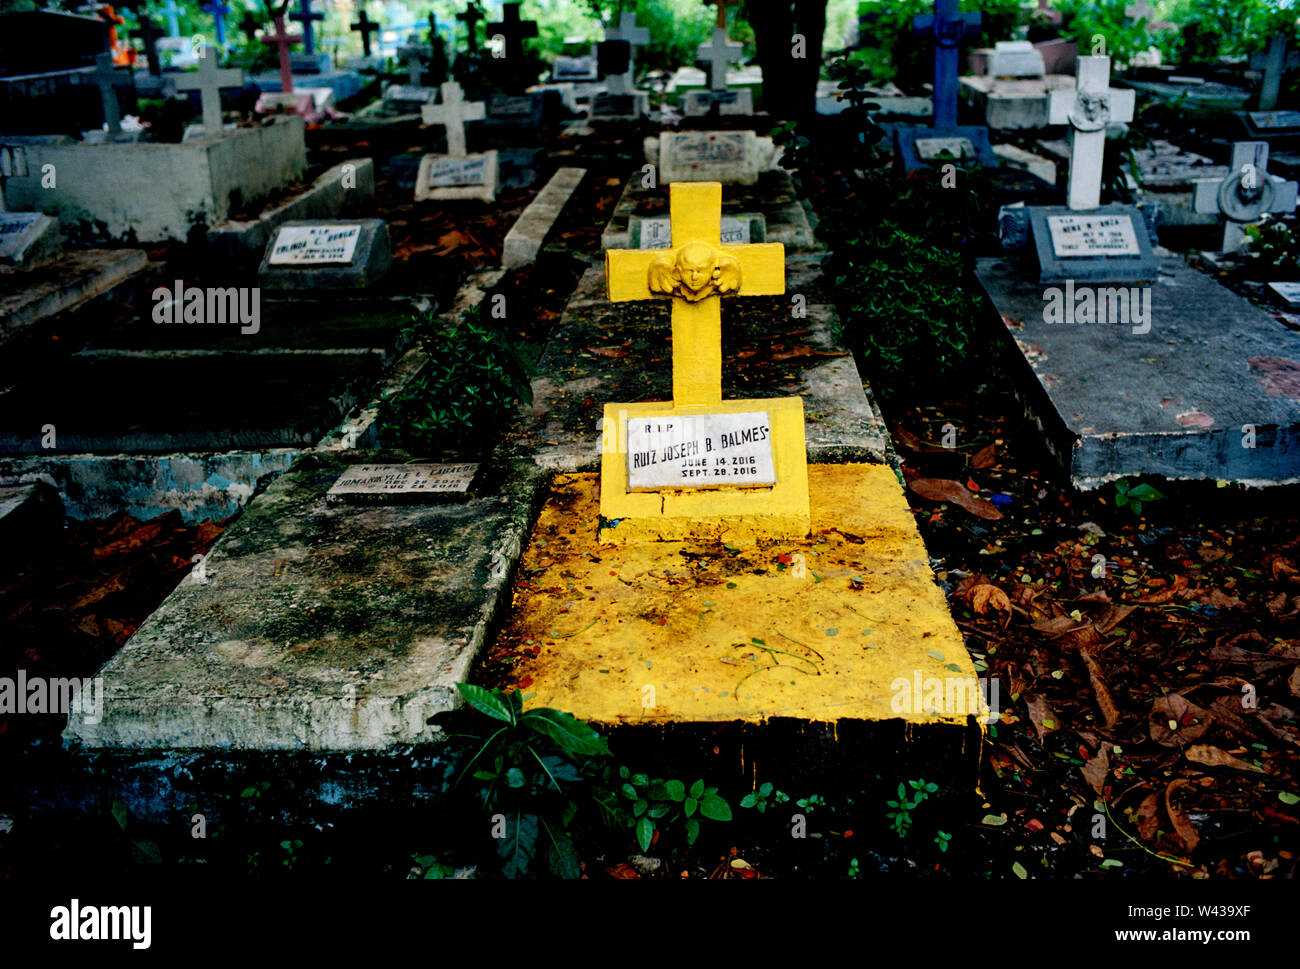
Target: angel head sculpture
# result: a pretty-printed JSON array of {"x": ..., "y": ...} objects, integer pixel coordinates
[{"x": 694, "y": 272}]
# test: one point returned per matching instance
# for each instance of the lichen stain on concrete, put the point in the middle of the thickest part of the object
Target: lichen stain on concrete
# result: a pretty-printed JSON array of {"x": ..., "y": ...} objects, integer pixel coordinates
[{"x": 1280, "y": 376}]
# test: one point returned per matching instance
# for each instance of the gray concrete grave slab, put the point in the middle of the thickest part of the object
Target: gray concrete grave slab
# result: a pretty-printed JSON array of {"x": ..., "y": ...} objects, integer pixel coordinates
[
  {"x": 323, "y": 255},
  {"x": 321, "y": 626},
  {"x": 773, "y": 198},
  {"x": 1209, "y": 391}
]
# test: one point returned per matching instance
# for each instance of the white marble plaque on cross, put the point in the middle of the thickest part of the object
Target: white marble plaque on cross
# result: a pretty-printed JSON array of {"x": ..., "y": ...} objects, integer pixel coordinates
[
  {"x": 1093, "y": 235},
  {"x": 700, "y": 451},
  {"x": 300, "y": 245}
]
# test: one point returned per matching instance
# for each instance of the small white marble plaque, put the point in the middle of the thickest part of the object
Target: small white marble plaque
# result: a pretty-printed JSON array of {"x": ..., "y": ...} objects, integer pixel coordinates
[
  {"x": 700, "y": 451},
  {"x": 404, "y": 479},
  {"x": 657, "y": 233},
  {"x": 928, "y": 149},
  {"x": 300, "y": 245},
  {"x": 1093, "y": 235},
  {"x": 449, "y": 172},
  {"x": 1268, "y": 120},
  {"x": 1288, "y": 293}
]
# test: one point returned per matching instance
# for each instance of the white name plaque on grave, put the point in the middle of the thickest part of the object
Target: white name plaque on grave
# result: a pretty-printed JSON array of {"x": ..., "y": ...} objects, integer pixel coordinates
[
  {"x": 448, "y": 172},
  {"x": 928, "y": 149},
  {"x": 657, "y": 233},
  {"x": 1265, "y": 120},
  {"x": 700, "y": 451},
  {"x": 1093, "y": 235},
  {"x": 404, "y": 479},
  {"x": 298, "y": 245}
]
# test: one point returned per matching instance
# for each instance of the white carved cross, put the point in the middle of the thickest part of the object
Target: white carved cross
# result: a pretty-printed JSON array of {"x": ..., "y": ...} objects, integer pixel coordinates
[
  {"x": 208, "y": 81},
  {"x": 1245, "y": 194},
  {"x": 636, "y": 37},
  {"x": 103, "y": 75},
  {"x": 719, "y": 53},
  {"x": 1087, "y": 110},
  {"x": 452, "y": 114}
]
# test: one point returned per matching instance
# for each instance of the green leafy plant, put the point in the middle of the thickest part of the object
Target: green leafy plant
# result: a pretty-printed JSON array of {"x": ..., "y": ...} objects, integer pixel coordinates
[
  {"x": 434, "y": 869},
  {"x": 942, "y": 839},
  {"x": 531, "y": 765},
  {"x": 658, "y": 804},
  {"x": 474, "y": 376},
  {"x": 764, "y": 796},
  {"x": 1274, "y": 250},
  {"x": 811, "y": 803},
  {"x": 900, "y": 819},
  {"x": 1134, "y": 496}
]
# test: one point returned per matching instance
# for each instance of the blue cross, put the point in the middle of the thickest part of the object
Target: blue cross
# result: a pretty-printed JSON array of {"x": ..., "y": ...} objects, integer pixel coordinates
[
  {"x": 218, "y": 9},
  {"x": 172, "y": 13},
  {"x": 304, "y": 16},
  {"x": 948, "y": 28}
]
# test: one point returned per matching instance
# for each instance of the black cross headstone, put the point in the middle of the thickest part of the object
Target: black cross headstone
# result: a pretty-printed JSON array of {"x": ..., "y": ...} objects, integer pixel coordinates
[
  {"x": 513, "y": 31},
  {"x": 471, "y": 18},
  {"x": 249, "y": 26},
  {"x": 149, "y": 32},
  {"x": 438, "y": 64},
  {"x": 365, "y": 26}
]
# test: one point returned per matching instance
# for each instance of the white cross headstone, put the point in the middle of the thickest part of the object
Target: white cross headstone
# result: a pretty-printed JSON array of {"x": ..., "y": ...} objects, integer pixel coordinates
[
  {"x": 104, "y": 74},
  {"x": 1088, "y": 109},
  {"x": 208, "y": 81},
  {"x": 1275, "y": 64},
  {"x": 636, "y": 37},
  {"x": 1140, "y": 11},
  {"x": 413, "y": 55},
  {"x": 452, "y": 114},
  {"x": 1245, "y": 194},
  {"x": 719, "y": 53}
]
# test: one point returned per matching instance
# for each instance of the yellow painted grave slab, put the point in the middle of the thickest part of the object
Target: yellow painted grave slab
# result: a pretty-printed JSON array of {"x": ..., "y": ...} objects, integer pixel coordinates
[{"x": 846, "y": 623}]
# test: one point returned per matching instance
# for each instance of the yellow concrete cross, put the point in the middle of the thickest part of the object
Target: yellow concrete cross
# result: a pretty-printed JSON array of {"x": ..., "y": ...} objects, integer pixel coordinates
[{"x": 695, "y": 273}]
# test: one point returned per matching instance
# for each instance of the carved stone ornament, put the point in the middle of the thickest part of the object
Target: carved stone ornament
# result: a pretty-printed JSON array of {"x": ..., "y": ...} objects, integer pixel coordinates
[
  {"x": 694, "y": 272},
  {"x": 1091, "y": 110}
]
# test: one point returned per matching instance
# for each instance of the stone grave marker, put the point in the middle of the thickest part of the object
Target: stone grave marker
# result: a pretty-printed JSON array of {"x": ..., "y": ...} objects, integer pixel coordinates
[
  {"x": 1085, "y": 241},
  {"x": 1270, "y": 125},
  {"x": 574, "y": 68},
  {"x": 719, "y": 53},
  {"x": 1247, "y": 193},
  {"x": 655, "y": 232},
  {"x": 946, "y": 28},
  {"x": 1287, "y": 293},
  {"x": 512, "y": 32},
  {"x": 208, "y": 81},
  {"x": 363, "y": 484},
  {"x": 456, "y": 175},
  {"x": 341, "y": 254},
  {"x": 622, "y": 101},
  {"x": 27, "y": 238},
  {"x": 149, "y": 34},
  {"x": 305, "y": 17},
  {"x": 365, "y": 27},
  {"x": 104, "y": 75},
  {"x": 712, "y": 156},
  {"x": 1016, "y": 58},
  {"x": 669, "y": 469},
  {"x": 218, "y": 11}
]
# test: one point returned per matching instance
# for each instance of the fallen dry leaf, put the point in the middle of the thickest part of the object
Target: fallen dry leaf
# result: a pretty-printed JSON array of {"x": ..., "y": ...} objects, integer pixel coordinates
[
  {"x": 1042, "y": 716},
  {"x": 986, "y": 596},
  {"x": 1178, "y": 818},
  {"x": 1214, "y": 757},
  {"x": 944, "y": 489},
  {"x": 1096, "y": 770},
  {"x": 1174, "y": 720}
]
